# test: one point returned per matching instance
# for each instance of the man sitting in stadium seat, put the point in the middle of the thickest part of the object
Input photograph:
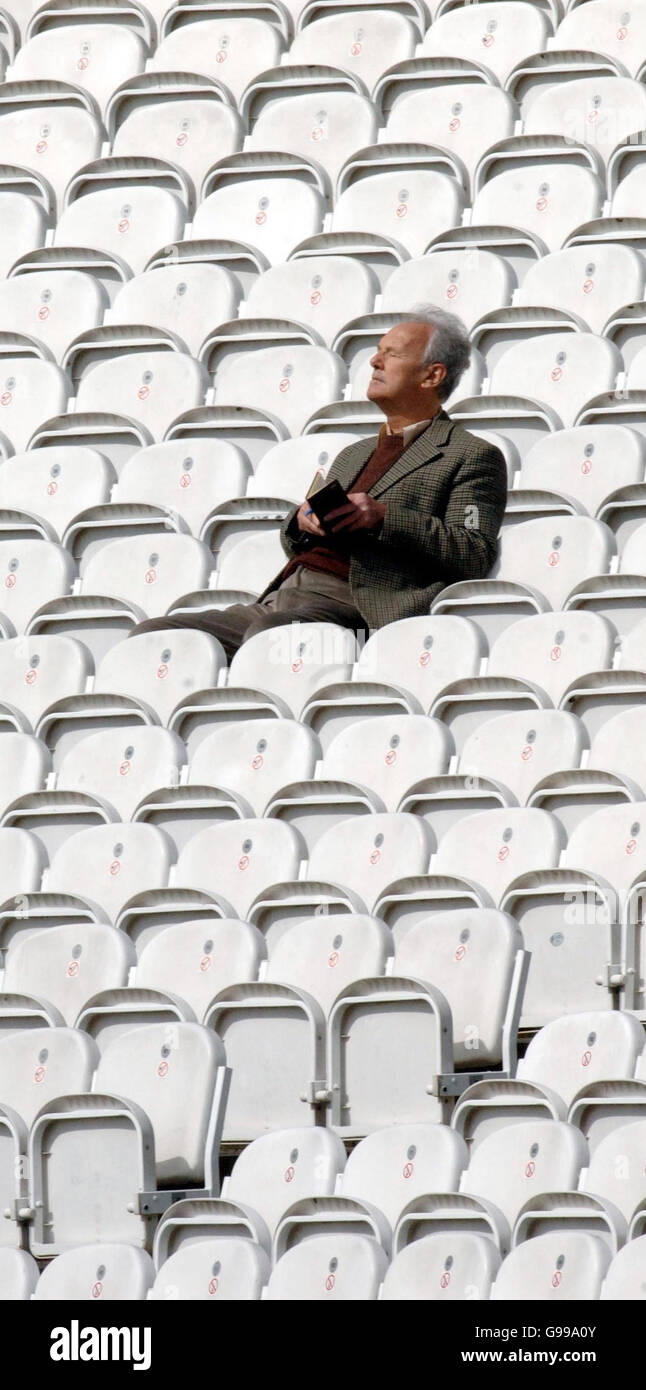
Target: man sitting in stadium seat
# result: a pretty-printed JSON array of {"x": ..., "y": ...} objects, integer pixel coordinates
[{"x": 425, "y": 504}]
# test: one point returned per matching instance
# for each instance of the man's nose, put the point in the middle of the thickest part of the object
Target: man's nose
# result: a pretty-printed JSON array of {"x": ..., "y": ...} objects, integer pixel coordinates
[{"x": 376, "y": 361}]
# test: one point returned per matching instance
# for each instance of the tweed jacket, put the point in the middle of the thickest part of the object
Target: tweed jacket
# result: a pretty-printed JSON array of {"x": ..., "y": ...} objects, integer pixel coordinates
[{"x": 444, "y": 496}]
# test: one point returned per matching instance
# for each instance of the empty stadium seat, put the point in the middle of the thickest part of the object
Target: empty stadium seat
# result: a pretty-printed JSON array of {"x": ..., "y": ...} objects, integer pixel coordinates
[
  {"x": 24, "y": 226},
  {"x": 216, "y": 1269},
  {"x": 608, "y": 27},
  {"x": 521, "y": 750},
  {"x": 26, "y": 763},
  {"x": 368, "y": 853},
  {"x": 231, "y": 48},
  {"x": 469, "y": 283},
  {"x": 279, "y": 1169},
  {"x": 339, "y": 1267},
  {"x": 626, "y": 1276},
  {"x": 287, "y": 470},
  {"x": 185, "y": 299},
  {"x": 196, "y": 960},
  {"x": 249, "y": 855},
  {"x": 579, "y": 1049},
  {"x": 105, "y": 1273},
  {"x": 322, "y": 291},
  {"x": 294, "y": 660},
  {"x": 365, "y": 43},
  {"x": 52, "y": 127},
  {"x": 514, "y": 1164},
  {"x": 34, "y": 572},
  {"x": 587, "y": 463},
  {"x": 269, "y": 201},
  {"x": 465, "y": 117},
  {"x": 33, "y": 389},
  {"x": 95, "y": 57},
  {"x": 55, "y": 483},
  {"x": 553, "y": 649},
  {"x": 128, "y": 206},
  {"x": 590, "y": 281},
  {"x": 496, "y": 35},
  {"x": 18, "y": 1275},
  {"x": 547, "y": 199},
  {"x": 409, "y": 205},
  {"x": 109, "y": 864},
  {"x": 290, "y": 382},
  {"x": 442, "y": 1267},
  {"x": 607, "y": 843},
  {"x": 161, "y": 668},
  {"x": 151, "y": 386},
  {"x": 597, "y": 110},
  {"x": 52, "y": 306},
  {"x": 121, "y": 766},
  {"x": 561, "y": 370},
  {"x": 67, "y": 965},
  {"x": 389, "y": 754},
  {"x": 149, "y": 571},
  {"x": 494, "y": 847},
  {"x": 558, "y": 1266},
  {"x": 318, "y": 112},
  {"x": 256, "y": 758},
  {"x": 183, "y": 117}
]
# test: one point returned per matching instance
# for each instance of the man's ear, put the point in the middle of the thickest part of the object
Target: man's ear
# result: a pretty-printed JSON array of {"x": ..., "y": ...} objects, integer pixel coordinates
[{"x": 434, "y": 377}]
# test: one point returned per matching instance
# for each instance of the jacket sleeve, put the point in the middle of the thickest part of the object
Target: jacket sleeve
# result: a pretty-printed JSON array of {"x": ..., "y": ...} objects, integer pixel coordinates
[
  {"x": 293, "y": 541},
  {"x": 463, "y": 543}
]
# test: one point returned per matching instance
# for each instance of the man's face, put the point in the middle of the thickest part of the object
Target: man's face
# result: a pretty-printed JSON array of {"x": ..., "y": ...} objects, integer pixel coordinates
[{"x": 397, "y": 370}]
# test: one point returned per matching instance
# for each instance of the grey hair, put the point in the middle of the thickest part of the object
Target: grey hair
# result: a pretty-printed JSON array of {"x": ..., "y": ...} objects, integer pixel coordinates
[{"x": 448, "y": 343}]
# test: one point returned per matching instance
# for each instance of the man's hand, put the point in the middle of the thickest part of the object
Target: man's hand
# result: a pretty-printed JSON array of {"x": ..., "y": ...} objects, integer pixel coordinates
[
  {"x": 361, "y": 513},
  {"x": 307, "y": 521}
]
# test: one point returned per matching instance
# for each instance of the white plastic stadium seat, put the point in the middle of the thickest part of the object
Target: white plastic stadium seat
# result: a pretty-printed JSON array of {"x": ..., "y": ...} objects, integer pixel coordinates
[
  {"x": 189, "y": 476},
  {"x": 552, "y": 554},
  {"x": 393, "y": 1166},
  {"x": 150, "y": 571},
  {"x": 548, "y": 199},
  {"x": 31, "y": 392},
  {"x": 553, "y": 649},
  {"x": 94, "y": 57},
  {"x": 55, "y": 483},
  {"x": 31, "y": 573},
  {"x": 587, "y": 463},
  {"x": 590, "y": 281},
  {"x": 53, "y": 307},
  {"x": 561, "y": 370},
  {"x": 411, "y": 206},
  {"x": 279, "y": 1169},
  {"x": 231, "y": 48},
  {"x": 238, "y": 859},
  {"x": 455, "y": 1265},
  {"x": 495, "y": 35},
  {"x": 99, "y": 1273},
  {"x": 339, "y": 1268},
  {"x": 37, "y": 671},
  {"x": 121, "y": 766},
  {"x": 196, "y": 960},
  {"x": 213, "y": 1270},
  {"x": 290, "y": 381},
  {"x": 389, "y": 754},
  {"x": 522, "y": 748},
  {"x": 255, "y": 758},
  {"x": 468, "y": 283},
  {"x": 25, "y": 765},
  {"x": 327, "y": 125},
  {"x": 161, "y": 668},
  {"x": 67, "y": 965},
  {"x": 322, "y": 291},
  {"x": 580, "y": 1049},
  {"x": 626, "y": 1277},
  {"x": 466, "y": 118},
  {"x": 491, "y": 848},
  {"x": 108, "y": 864},
  {"x": 23, "y": 227},
  {"x": 293, "y": 661},
  {"x": 606, "y": 26},
  {"x": 367, "y": 853},
  {"x": 273, "y": 210},
  {"x": 365, "y": 42},
  {"x": 512, "y": 1165},
  {"x": 151, "y": 387},
  {"x": 185, "y": 299},
  {"x": 597, "y": 111},
  {"x": 559, "y": 1266},
  {"x": 130, "y": 222},
  {"x": 36, "y": 1065}
]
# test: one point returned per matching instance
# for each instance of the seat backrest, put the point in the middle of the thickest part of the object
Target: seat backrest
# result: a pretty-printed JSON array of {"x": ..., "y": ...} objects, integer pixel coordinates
[
  {"x": 108, "y": 864},
  {"x": 610, "y": 843},
  {"x": 558, "y": 1266},
  {"x": 250, "y": 564},
  {"x": 617, "y": 747},
  {"x": 494, "y": 34},
  {"x": 123, "y": 765},
  {"x": 55, "y": 482},
  {"x": 554, "y": 553},
  {"x": 331, "y": 126},
  {"x": 561, "y": 370},
  {"x": 214, "y": 1269},
  {"x": 232, "y": 49},
  {"x": 255, "y": 758},
  {"x": 294, "y": 660},
  {"x": 591, "y": 281},
  {"x": 275, "y": 214},
  {"x": 520, "y": 749},
  {"x": 626, "y": 1277},
  {"x": 616, "y": 1169},
  {"x": 597, "y": 111},
  {"x": 53, "y": 306},
  {"x": 150, "y": 571},
  {"x": 425, "y": 654},
  {"x": 548, "y": 199},
  {"x": 104, "y": 1273},
  {"x": 152, "y": 387},
  {"x": 471, "y": 283},
  {"x": 325, "y": 954},
  {"x": 22, "y": 861},
  {"x": 197, "y": 959},
  {"x": 161, "y": 668},
  {"x": 238, "y": 859},
  {"x": 389, "y": 755},
  {"x": 411, "y": 206},
  {"x": 63, "y": 137},
  {"x": 184, "y": 299},
  {"x": 323, "y": 291},
  {"x": 491, "y": 848},
  {"x": 31, "y": 391},
  {"x": 579, "y": 1049},
  {"x": 185, "y": 130},
  {"x": 68, "y": 964},
  {"x": 338, "y": 1267},
  {"x": 25, "y": 765},
  {"x": 469, "y": 956},
  {"x": 467, "y": 117},
  {"x": 39, "y": 1064},
  {"x": 587, "y": 463},
  {"x": 631, "y": 560},
  {"x": 393, "y": 1166},
  {"x": 450, "y": 1265},
  {"x": 37, "y": 671},
  {"x": 368, "y": 853},
  {"x": 171, "y": 1072},
  {"x": 522, "y": 1160},
  {"x": 31, "y": 573},
  {"x": 553, "y": 649},
  {"x": 23, "y": 226},
  {"x": 191, "y": 477},
  {"x": 290, "y": 381},
  {"x": 280, "y": 1168},
  {"x": 608, "y": 28},
  {"x": 288, "y": 468},
  {"x": 95, "y": 57},
  {"x": 131, "y": 222},
  {"x": 365, "y": 43}
]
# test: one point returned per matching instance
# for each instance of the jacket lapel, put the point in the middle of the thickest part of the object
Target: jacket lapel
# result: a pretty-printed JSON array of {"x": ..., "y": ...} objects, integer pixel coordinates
[{"x": 425, "y": 447}]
